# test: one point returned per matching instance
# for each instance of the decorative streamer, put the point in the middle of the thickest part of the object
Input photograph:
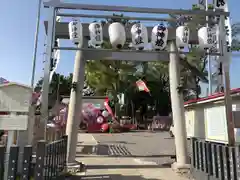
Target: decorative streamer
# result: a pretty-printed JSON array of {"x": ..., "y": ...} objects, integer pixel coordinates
[
  {"x": 141, "y": 85},
  {"x": 56, "y": 59},
  {"x": 223, "y": 4},
  {"x": 109, "y": 109},
  {"x": 56, "y": 55}
]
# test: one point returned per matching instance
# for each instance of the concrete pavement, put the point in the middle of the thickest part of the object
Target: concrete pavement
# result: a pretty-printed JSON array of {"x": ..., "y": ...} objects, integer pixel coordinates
[
  {"x": 148, "y": 146},
  {"x": 118, "y": 167}
]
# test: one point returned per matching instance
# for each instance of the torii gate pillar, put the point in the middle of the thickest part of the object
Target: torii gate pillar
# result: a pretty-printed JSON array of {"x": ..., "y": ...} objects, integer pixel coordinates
[{"x": 178, "y": 111}]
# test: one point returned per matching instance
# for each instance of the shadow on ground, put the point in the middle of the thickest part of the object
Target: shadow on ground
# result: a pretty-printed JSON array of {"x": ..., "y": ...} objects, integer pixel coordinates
[
  {"x": 117, "y": 142},
  {"x": 172, "y": 156},
  {"x": 115, "y": 150},
  {"x": 166, "y": 165},
  {"x": 109, "y": 177}
]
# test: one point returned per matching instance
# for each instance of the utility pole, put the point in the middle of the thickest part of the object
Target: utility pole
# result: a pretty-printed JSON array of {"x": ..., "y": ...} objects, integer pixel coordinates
[
  {"x": 36, "y": 43},
  {"x": 228, "y": 106},
  {"x": 75, "y": 104},
  {"x": 225, "y": 59},
  {"x": 178, "y": 110},
  {"x": 48, "y": 56},
  {"x": 31, "y": 108}
]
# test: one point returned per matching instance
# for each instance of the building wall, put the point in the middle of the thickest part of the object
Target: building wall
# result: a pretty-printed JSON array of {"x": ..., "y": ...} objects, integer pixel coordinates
[{"x": 15, "y": 98}]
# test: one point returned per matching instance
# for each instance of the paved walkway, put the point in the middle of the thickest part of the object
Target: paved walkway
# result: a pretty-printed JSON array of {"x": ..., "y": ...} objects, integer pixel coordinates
[
  {"x": 118, "y": 168},
  {"x": 147, "y": 146}
]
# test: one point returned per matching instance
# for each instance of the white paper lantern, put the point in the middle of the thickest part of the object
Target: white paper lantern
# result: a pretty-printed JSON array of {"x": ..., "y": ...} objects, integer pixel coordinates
[
  {"x": 182, "y": 36},
  {"x": 205, "y": 38},
  {"x": 75, "y": 31},
  {"x": 96, "y": 35},
  {"x": 159, "y": 37},
  {"x": 117, "y": 35},
  {"x": 139, "y": 36}
]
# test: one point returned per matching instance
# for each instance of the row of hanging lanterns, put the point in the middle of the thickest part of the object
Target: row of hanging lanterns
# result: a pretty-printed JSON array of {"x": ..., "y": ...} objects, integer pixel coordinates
[
  {"x": 206, "y": 38},
  {"x": 139, "y": 33},
  {"x": 117, "y": 35}
]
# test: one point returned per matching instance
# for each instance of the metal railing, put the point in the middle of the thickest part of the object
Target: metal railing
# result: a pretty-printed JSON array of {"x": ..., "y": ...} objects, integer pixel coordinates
[
  {"x": 214, "y": 161},
  {"x": 56, "y": 152},
  {"x": 49, "y": 162}
]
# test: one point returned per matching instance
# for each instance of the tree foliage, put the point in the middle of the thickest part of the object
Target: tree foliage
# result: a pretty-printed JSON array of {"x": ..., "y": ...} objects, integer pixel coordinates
[
  {"x": 115, "y": 77},
  {"x": 235, "y": 37},
  {"x": 61, "y": 86}
]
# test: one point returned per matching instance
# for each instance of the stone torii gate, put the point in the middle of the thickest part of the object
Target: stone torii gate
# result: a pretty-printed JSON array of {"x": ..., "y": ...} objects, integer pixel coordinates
[{"x": 60, "y": 30}]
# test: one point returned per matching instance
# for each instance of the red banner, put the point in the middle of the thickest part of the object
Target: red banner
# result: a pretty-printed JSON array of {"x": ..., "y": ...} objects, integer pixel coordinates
[{"x": 109, "y": 109}]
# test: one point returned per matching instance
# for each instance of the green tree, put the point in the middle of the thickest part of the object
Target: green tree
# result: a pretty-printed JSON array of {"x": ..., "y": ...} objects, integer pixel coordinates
[
  {"x": 110, "y": 77},
  {"x": 120, "y": 76},
  {"x": 235, "y": 37},
  {"x": 61, "y": 86}
]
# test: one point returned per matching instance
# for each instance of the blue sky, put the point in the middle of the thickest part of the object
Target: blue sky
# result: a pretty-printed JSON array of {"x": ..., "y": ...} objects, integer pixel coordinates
[{"x": 18, "y": 19}]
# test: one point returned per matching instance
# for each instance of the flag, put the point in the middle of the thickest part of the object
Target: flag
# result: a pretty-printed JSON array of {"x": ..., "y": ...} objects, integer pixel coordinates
[
  {"x": 3, "y": 81},
  {"x": 109, "y": 109},
  {"x": 142, "y": 86}
]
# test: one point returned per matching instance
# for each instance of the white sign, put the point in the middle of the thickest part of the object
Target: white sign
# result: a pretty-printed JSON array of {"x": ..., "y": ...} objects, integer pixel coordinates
[
  {"x": 13, "y": 122},
  {"x": 216, "y": 124}
]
